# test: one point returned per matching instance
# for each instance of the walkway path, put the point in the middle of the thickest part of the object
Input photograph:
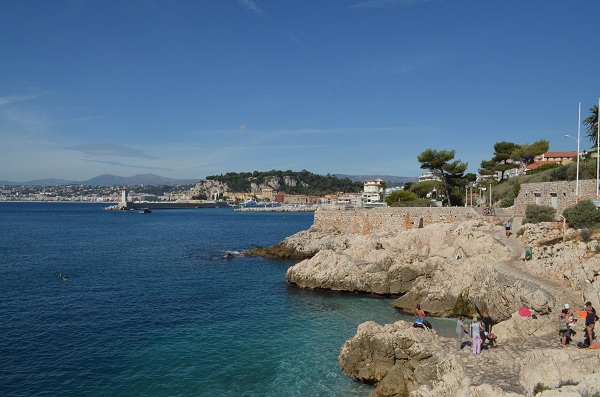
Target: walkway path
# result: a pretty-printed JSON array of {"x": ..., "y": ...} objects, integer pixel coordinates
[{"x": 500, "y": 366}]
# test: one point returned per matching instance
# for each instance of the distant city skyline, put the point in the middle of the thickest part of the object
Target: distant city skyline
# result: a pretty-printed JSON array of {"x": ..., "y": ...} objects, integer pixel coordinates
[{"x": 190, "y": 89}]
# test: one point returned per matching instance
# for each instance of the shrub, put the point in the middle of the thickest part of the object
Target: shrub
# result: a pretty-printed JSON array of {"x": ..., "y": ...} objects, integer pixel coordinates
[
  {"x": 400, "y": 195},
  {"x": 582, "y": 215},
  {"x": 520, "y": 232},
  {"x": 540, "y": 388},
  {"x": 585, "y": 234},
  {"x": 545, "y": 167},
  {"x": 539, "y": 213}
]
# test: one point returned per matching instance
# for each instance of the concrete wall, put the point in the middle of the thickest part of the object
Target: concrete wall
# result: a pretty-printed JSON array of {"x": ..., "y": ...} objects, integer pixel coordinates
[
  {"x": 390, "y": 220},
  {"x": 559, "y": 195}
]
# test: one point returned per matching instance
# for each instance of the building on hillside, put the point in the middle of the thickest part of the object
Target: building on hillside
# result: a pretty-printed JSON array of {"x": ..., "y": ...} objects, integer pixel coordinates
[
  {"x": 349, "y": 199},
  {"x": 279, "y": 197},
  {"x": 429, "y": 176},
  {"x": 551, "y": 158},
  {"x": 373, "y": 191},
  {"x": 266, "y": 193}
]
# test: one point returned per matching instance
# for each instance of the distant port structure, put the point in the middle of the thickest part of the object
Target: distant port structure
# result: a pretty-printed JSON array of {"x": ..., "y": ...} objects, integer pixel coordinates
[{"x": 126, "y": 205}]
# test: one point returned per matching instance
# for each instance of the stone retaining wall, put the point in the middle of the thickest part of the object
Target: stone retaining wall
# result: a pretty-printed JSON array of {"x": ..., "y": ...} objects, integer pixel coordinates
[
  {"x": 559, "y": 195},
  {"x": 391, "y": 220}
]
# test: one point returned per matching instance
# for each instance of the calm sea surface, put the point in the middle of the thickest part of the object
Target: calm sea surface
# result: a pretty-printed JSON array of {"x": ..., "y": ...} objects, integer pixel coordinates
[{"x": 153, "y": 308}]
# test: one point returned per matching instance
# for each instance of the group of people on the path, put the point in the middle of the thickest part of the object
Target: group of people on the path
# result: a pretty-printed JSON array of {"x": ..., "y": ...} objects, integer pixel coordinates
[
  {"x": 567, "y": 321},
  {"x": 479, "y": 332}
]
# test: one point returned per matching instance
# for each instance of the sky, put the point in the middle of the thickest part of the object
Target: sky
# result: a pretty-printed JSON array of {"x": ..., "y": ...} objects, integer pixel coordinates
[{"x": 186, "y": 89}]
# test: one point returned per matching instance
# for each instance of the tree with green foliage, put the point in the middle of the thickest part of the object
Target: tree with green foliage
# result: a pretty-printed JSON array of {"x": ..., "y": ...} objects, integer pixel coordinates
[
  {"x": 584, "y": 214},
  {"x": 509, "y": 155},
  {"x": 422, "y": 189},
  {"x": 400, "y": 195},
  {"x": 525, "y": 154},
  {"x": 591, "y": 123},
  {"x": 502, "y": 160},
  {"x": 440, "y": 163}
]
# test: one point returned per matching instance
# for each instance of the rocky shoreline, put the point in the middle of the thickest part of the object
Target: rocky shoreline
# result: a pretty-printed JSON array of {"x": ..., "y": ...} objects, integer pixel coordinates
[{"x": 462, "y": 266}]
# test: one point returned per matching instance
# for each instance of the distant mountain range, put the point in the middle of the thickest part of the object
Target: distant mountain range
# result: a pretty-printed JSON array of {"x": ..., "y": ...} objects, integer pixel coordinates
[
  {"x": 107, "y": 180},
  {"x": 152, "y": 179}
]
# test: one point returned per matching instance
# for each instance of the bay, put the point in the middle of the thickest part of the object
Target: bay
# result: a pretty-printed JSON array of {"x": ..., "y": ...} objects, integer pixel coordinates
[{"x": 152, "y": 306}]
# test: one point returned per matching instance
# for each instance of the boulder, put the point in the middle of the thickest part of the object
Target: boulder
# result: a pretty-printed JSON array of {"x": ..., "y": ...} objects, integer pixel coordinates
[{"x": 398, "y": 357}]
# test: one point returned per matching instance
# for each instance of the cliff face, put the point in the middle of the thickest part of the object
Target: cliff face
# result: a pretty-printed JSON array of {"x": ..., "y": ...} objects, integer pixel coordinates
[{"x": 456, "y": 265}]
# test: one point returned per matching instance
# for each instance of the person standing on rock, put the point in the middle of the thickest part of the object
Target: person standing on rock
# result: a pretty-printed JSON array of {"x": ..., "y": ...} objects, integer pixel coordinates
[
  {"x": 590, "y": 322},
  {"x": 487, "y": 330},
  {"x": 475, "y": 329},
  {"x": 461, "y": 329},
  {"x": 564, "y": 328},
  {"x": 507, "y": 227}
]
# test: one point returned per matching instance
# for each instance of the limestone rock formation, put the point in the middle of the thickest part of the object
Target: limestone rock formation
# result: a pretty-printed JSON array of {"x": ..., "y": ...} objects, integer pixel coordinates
[
  {"x": 568, "y": 371},
  {"x": 448, "y": 268},
  {"x": 398, "y": 357}
]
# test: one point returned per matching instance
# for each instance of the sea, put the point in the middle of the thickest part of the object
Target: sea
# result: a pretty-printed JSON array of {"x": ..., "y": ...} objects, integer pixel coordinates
[{"x": 150, "y": 305}]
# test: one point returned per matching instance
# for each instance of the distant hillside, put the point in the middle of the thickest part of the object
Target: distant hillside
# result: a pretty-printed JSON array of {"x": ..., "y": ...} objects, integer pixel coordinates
[
  {"x": 290, "y": 182},
  {"x": 107, "y": 180},
  {"x": 390, "y": 180}
]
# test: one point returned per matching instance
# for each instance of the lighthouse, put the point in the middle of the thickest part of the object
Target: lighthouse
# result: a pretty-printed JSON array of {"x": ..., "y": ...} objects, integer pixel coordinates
[{"x": 124, "y": 205}]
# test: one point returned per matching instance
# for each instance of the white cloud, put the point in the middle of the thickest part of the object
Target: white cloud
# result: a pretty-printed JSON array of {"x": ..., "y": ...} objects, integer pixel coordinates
[
  {"x": 109, "y": 149},
  {"x": 251, "y": 6}
]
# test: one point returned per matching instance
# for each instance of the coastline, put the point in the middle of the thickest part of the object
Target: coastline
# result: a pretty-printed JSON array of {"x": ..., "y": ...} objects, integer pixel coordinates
[{"x": 423, "y": 257}]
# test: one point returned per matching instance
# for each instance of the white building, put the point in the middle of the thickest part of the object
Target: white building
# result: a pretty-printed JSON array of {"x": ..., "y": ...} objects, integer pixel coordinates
[
  {"x": 373, "y": 192},
  {"x": 429, "y": 176}
]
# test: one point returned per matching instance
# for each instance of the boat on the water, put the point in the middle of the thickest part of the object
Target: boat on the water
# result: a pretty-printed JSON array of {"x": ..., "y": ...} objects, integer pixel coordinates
[{"x": 145, "y": 210}]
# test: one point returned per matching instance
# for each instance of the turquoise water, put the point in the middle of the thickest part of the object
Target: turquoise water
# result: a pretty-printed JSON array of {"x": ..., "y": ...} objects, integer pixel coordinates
[{"x": 153, "y": 308}]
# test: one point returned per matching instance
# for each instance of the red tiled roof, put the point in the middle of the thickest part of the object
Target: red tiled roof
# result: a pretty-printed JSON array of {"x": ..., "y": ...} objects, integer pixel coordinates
[
  {"x": 560, "y": 154},
  {"x": 537, "y": 164}
]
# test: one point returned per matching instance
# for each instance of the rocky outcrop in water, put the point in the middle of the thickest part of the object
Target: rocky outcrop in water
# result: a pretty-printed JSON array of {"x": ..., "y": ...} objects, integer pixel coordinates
[{"x": 398, "y": 357}]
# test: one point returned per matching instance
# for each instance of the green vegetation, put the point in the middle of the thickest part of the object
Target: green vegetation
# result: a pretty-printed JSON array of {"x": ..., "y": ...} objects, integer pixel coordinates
[
  {"x": 289, "y": 182},
  {"x": 582, "y": 215},
  {"x": 508, "y": 155},
  {"x": 539, "y": 213},
  {"x": 400, "y": 195},
  {"x": 452, "y": 173},
  {"x": 540, "y": 388},
  {"x": 592, "y": 124}
]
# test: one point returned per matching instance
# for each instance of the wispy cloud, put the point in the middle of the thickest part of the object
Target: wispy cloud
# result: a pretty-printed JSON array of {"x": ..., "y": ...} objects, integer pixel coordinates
[
  {"x": 387, "y": 3},
  {"x": 118, "y": 164},
  {"x": 7, "y": 100},
  {"x": 109, "y": 149},
  {"x": 251, "y": 6}
]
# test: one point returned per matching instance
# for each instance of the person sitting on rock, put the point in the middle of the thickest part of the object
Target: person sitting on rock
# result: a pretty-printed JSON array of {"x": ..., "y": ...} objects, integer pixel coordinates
[{"x": 420, "y": 313}]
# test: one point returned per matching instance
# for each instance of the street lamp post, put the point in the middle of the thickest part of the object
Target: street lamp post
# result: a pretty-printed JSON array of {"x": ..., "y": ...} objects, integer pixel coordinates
[{"x": 578, "y": 139}]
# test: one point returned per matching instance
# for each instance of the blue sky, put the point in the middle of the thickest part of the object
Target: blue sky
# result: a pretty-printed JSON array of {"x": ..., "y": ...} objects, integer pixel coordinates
[{"x": 186, "y": 89}]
